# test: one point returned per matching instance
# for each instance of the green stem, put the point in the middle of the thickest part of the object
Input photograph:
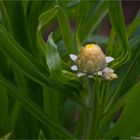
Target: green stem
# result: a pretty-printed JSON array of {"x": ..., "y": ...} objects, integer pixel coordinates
[
  {"x": 54, "y": 110},
  {"x": 106, "y": 96},
  {"x": 102, "y": 102},
  {"x": 90, "y": 114},
  {"x": 97, "y": 109}
]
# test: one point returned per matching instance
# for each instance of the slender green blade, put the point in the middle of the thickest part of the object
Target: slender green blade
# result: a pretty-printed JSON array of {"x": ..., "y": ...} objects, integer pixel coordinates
[
  {"x": 22, "y": 59},
  {"x": 34, "y": 9},
  {"x": 66, "y": 81},
  {"x": 129, "y": 123},
  {"x": 65, "y": 28},
  {"x": 6, "y": 137},
  {"x": 41, "y": 136},
  {"x": 44, "y": 19},
  {"x": 87, "y": 29},
  {"x": 131, "y": 70},
  {"x": 5, "y": 21},
  {"x": 22, "y": 122},
  {"x": 16, "y": 17},
  {"x": 118, "y": 24},
  {"x": 132, "y": 27},
  {"x": 34, "y": 109},
  {"x": 4, "y": 112},
  {"x": 82, "y": 17}
]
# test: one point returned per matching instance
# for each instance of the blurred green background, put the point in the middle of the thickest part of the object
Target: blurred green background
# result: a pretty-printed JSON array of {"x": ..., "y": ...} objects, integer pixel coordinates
[{"x": 40, "y": 96}]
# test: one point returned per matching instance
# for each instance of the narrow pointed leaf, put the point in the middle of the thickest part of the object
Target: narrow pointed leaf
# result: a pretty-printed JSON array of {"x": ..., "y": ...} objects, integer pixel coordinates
[
  {"x": 22, "y": 59},
  {"x": 87, "y": 28},
  {"x": 118, "y": 24},
  {"x": 65, "y": 28},
  {"x": 34, "y": 109},
  {"x": 130, "y": 112},
  {"x": 44, "y": 19}
]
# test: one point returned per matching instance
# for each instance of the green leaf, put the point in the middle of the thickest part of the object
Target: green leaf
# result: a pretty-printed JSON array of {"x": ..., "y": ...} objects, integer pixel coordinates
[
  {"x": 82, "y": 17},
  {"x": 55, "y": 110},
  {"x": 109, "y": 47},
  {"x": 44, "y": 19},
  {"x": 65, "y": 28},
  {"x": 16, "y": 17},
  {"x": 4, "y": 17},
  {"x": 115, "y": 11},
  {"x": 117, "y": 21},
  {"x": 4, "y": 114},
  {"x": 83, "y": 14},
  {"x": 47, "y": 16},
  {"x": 128, "y": 74},
  {"x": 22, "y": 122},
  {"x": 41, "y": 135},
  {"x": 132, "y": 27},
  {"x": 34, "y": 109},
  {"x": 99, "y": 39},
  {"x": 52, "y": 56},
  {"x": 87, "y": 29},
  {"x": 128, "y": 124},
  {"x": 54, "y": 64},
  {"x": 35, "y": 8},
  {"x": 22, "y": 59},
  {"x": 6, "y": 137},
  {"x": 66, "y": 81},
  {"x": 3, "y": 104}
]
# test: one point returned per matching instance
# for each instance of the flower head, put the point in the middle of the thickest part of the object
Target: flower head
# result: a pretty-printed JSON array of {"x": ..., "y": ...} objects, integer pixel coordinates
[{"x": 92, "y": 61}]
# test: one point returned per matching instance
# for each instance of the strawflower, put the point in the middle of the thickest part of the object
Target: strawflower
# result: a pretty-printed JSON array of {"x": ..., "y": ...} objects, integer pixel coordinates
[{"x": 92, "y": 61}]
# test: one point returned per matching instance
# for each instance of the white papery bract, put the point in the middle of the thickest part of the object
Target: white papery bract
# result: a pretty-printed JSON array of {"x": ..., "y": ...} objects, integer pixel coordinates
[{"x": 92, "y": 61}]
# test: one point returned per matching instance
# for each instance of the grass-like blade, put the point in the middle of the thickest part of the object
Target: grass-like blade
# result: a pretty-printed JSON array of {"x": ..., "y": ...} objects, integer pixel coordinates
[
  {"x": 87, "y": 28},
  {"x": 14, "y": 10},
  {"x": 129, "y": 113},
  {"x": 82, "y": 16},
  {"x": 34, "y": 109},
  {"x": 133, "y": 26},
  {"x": 118, "y": 24},
  {"x": 22, "y": 59},
  {"x": 44, "y": 19},
  {"x": 65, "y": 28},
  {"x": 63, "y": 79}
]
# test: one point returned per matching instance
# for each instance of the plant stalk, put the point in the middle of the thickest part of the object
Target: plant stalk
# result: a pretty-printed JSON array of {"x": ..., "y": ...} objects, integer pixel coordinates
[{"x": 90, "y": 114}]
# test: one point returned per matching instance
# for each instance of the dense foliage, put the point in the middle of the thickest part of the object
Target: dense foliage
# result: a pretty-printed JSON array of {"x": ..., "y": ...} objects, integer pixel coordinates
[{"x": 41, "y": 97}]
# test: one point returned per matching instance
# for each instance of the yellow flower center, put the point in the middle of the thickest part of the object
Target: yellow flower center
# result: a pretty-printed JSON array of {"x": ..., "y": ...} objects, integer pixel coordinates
[{"x": 89, "y": 45}]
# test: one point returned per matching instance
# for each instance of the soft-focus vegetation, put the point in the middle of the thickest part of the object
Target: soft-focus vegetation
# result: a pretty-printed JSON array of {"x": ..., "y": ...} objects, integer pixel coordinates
[{"x": 41, "y": 97}]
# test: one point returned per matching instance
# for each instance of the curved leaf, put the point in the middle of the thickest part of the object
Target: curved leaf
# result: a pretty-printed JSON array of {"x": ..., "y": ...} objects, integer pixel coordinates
[
  {"x": 117, "y": 21},
  {"x": 22, "y": 59},
  {"x": 66, "y": 81},
  {"x": 133, "y": 26},
  {"x": 128, "y": 124},
  {"x": 65, "y": 28},
  {"x": 44, "y": 19},
  {"x": 87, "y": 28}
]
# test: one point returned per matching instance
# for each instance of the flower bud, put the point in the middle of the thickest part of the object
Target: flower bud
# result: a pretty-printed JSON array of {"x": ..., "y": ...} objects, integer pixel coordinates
[
  {"x": 91, "y": 59},
  {"x": 112, "y": 76}
]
